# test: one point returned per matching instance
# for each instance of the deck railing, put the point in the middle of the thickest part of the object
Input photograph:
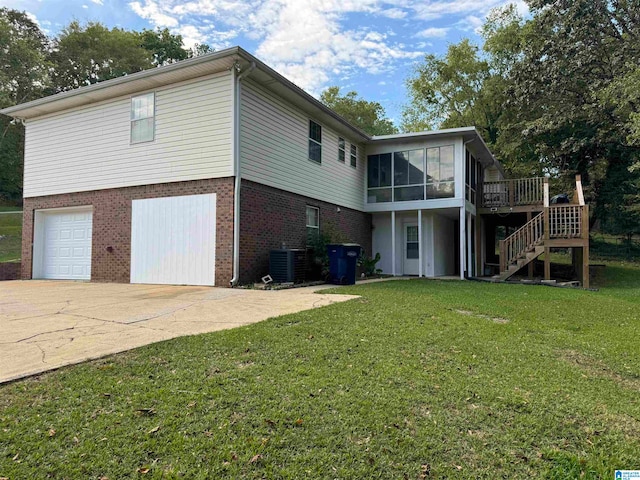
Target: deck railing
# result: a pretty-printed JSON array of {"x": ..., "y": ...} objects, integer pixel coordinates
[
  {"x": 521, "y": 241},
  {"x": 566, "y": 221},
  {"x": 513, "y": 192}
]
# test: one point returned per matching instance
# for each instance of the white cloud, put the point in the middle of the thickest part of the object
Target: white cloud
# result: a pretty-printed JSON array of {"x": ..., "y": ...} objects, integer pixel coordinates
[
  {"x": 438, "y": 9},
  {"x": 433, "y": 32},
  {"x": 310, "y": 41},
  {"x": 98, "y": 2},
  {"x": 471, "y": 23},
  {"x": 395, "y": 13},
  {"x": 153, "y": 12},
  {"x": 85, "y": 7}
]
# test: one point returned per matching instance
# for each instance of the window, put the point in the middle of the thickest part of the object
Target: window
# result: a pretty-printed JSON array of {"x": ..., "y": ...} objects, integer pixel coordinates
[
  {"x": 315, "y": 142},
  {"x": 313, "y": 224},
  {"x": 473, "y": 172},
  {"x": 354, "y": 155},
  {"x": 400, "y": 176},
  {"x": 143, "y": 118},
  {"x": 413, "y": 246},
  {"x": 379, "y": 178},
  {"x": 440, "y": 172},
  {"x": 341, "y": 149}
]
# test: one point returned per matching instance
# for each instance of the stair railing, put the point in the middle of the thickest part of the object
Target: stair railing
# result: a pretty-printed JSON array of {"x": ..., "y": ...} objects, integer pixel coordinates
[{"x": 521, "y": 241}]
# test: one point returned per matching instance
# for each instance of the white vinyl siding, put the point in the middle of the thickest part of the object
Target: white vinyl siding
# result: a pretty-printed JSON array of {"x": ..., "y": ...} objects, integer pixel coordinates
[
  {"x": 173, "y": 240},
  {"x": 89, "y": 148},
  {"x": 492, "y": 174},
  {"x": 274, "y": 151}
]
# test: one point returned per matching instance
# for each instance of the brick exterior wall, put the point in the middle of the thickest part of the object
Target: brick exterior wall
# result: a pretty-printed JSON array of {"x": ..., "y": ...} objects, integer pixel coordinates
[
  {"x": 9, "y": 271},
  {"x": 270, "y": 217},
  {"x": 112, "y": 224}
]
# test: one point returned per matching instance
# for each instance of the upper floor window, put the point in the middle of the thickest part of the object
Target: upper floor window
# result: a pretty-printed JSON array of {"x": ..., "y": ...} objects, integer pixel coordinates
[
  {"x": 411, "y": 175},
  {"x": 472, "y": 177},
  {"x": 315, "y": 142},
  {"x": 341, "y": 149},
  {"x": 143, "y": 118},
  {"x": 354, "y": 155},
  {"x": 440, "y": 172},
  {"x": 313, "y": 224}
]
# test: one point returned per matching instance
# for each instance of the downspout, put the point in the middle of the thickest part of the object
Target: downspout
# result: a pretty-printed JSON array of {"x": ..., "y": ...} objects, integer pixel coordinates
[{"x": 236, "y": 169}]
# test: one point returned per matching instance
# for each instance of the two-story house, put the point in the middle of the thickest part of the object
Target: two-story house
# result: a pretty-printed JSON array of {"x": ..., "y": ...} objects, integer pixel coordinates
[{"x": 192, "y": 172}]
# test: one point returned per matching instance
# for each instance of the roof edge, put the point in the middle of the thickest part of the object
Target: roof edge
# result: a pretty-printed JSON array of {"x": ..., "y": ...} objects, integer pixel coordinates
[
  {"x": 444, "y": 131},
  {"x": 10, "y": 111}
]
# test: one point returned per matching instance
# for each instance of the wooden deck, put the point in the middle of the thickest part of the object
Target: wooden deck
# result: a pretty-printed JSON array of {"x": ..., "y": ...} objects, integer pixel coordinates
[{"x": 555, "y": 226}]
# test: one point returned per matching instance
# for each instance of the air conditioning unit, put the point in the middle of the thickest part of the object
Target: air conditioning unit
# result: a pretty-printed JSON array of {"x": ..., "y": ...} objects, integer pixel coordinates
[{"x": 287, "y": 265}]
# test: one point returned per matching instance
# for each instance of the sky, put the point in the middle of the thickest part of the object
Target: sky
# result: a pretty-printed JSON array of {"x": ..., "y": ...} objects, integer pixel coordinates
[{"x": 370, "y": 46}]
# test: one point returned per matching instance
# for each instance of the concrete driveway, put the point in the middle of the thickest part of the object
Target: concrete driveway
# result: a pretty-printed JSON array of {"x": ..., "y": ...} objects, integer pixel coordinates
[{"x": 48, "y": 324}]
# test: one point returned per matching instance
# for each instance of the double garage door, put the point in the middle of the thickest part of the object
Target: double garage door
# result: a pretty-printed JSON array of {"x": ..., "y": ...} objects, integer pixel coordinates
[{"x": 172, "y": 241}]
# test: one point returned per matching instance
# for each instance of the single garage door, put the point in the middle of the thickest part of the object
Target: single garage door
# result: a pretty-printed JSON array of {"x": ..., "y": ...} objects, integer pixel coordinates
[
  {"x": 173, "y": 240},
  {"x": 62, "y": 248}
]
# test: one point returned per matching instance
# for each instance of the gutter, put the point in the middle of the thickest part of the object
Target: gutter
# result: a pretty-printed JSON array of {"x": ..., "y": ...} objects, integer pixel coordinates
[{"x": 236, "y": 169}]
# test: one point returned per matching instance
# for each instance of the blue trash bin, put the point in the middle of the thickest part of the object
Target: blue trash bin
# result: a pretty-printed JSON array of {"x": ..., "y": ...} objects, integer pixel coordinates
[{"x": 343, "y": 258}]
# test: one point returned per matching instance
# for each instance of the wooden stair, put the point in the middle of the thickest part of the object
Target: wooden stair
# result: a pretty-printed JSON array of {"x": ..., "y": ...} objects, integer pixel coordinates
[
  {"x": 556, "y": 226},
  {"x": 522, "y": 247},
  {"x": 522, "y": 261}
]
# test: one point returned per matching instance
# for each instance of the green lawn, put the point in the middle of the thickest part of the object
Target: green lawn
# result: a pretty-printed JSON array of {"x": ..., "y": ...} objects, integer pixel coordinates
[
  {"x": 10, "y": 234},
  {"x": 417, "y": 379}
]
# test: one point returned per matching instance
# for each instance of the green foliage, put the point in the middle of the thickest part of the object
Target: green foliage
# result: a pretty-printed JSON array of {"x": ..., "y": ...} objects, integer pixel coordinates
[
  {"x": 23, "y": 77},
  {"x": 318, "y": 242},
  {"x": 555, "y": 94},
  {"x": 469, "y": 87},
  {"x": 87, "y": 54},
  {"x": 200, "y": 49},
  {"x": 11, "y": 159},
  {"x": 578, "y": 57},
  {"x": 415, "y": 379},
  {"x": 165, "y": 47},
  {"x": 23, "y": 64},
  {"x": 367, "y": 116},
  {"x": 368, "y": 264}
]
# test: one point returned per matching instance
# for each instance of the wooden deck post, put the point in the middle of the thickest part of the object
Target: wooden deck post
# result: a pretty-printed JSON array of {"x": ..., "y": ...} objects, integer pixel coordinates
[
  {"x": 512, "y": 196},
  {"x": 585, "y": 246},
  {"x": 530, "y": 266}
]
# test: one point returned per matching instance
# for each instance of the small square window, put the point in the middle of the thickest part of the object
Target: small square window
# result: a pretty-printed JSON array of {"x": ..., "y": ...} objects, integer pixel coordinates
[
  {"x": 354, "y": 155},
  {"x": 341, "y": 149},
  {"x": 143, "y": 118},
  {"x": 313, "y": 224},
  {"x": 315, "y": 142}
]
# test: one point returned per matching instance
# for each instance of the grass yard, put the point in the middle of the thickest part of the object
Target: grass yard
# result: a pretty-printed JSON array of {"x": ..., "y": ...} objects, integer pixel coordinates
[
  {"x": 417, "y": 379},
  {"x": 10, "y": 234}
]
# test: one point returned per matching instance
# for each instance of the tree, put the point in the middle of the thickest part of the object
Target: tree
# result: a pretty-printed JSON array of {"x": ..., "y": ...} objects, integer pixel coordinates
[
  {"x": 84, "y": 55},
  {"x": 164, "y": 46},
  {"x": 23, "y": 77},
  {"x": 468, "y": 87},
  {"x": 367, "y": 116},
  {"x": 200, "y": 49},
  {"x": 576, "y": 55}
]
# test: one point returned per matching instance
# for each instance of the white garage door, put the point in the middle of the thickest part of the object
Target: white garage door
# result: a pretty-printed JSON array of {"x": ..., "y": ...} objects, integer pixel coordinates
[
  {"x": 64, "y": 245},
  {"x": 173, "y": 240}
]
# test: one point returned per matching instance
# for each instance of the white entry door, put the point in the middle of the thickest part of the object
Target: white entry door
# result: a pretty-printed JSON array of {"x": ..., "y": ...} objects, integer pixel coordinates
[
  {"x": 62, "y": 249},
  {"x": 173, "y": 240},
  {"x": 411, "y": 263}
]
